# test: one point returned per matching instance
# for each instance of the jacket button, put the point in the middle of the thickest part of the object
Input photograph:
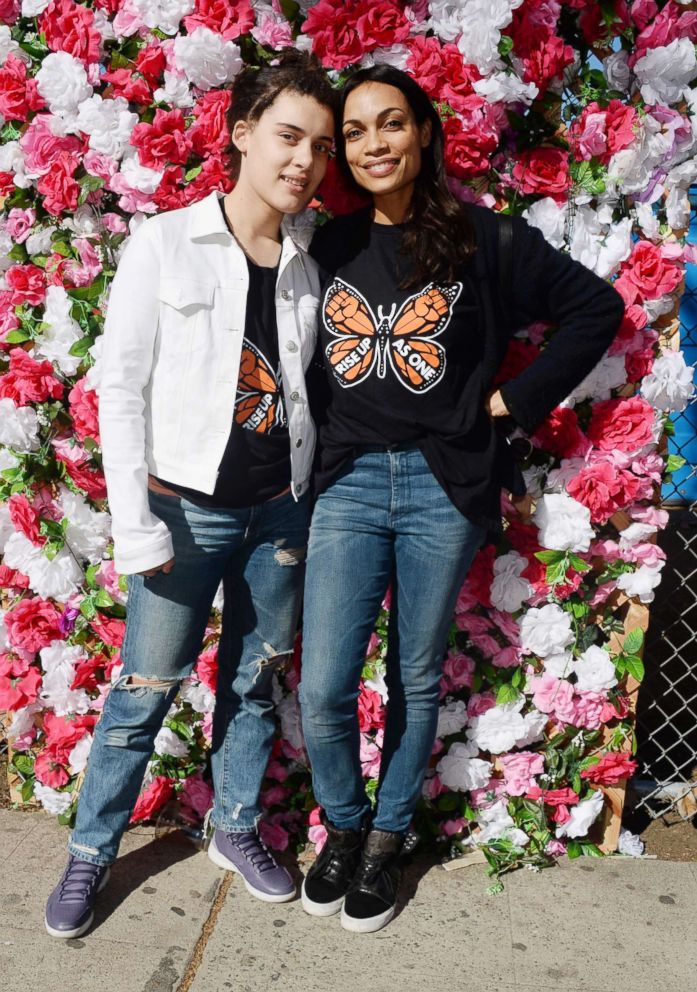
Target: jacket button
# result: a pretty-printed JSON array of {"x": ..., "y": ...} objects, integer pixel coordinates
[
  {"x": 285, "y": 295},
  {"x": 295, "y": 396},
  {"x": 298, "y": 442},
  {"x": 292, "y": 346}
]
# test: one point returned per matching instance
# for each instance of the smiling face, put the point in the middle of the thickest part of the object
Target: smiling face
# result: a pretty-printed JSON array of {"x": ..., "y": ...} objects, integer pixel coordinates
[
  {"x": 284, "y": 154},
  {"x": 382, "y": 140}
]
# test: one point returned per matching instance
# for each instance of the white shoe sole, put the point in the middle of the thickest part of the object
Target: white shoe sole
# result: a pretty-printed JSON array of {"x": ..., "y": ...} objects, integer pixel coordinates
[
  {"x": 320, "y": 908},
  {"x": 369, "y": 925},
  {"x": 78, "y": 932},
  {"x": 222, "y": 862}
]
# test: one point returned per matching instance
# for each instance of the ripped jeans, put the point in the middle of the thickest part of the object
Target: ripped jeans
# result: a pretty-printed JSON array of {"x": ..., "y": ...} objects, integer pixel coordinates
[{"x": 259, "y": 555}]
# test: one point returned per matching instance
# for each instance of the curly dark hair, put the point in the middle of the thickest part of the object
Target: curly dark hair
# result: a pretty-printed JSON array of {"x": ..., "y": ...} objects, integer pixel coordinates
[
  {"x": 438, "y": 234},
  {"x": 255, "y": 89}
]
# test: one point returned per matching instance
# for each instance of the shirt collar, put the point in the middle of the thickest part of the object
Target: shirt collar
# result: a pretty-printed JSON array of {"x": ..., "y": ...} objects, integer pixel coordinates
[{"x": 207, "y": 219}]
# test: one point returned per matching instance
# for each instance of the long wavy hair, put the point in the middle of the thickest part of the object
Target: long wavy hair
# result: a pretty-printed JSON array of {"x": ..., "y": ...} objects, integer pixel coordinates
[{"x": 438, "y": 233}]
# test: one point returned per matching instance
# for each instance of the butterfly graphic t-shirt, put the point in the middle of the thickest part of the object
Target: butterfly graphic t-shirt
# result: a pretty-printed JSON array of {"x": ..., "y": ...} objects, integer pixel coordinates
[
  {"x": 256, "y": 464},
  {"x": 402, "y": 365}
]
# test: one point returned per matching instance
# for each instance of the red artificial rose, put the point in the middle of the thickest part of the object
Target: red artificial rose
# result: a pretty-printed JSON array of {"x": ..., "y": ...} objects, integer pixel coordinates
[
  {"x": 12, "y": 580},
  {"x": 214, "y": 174},
  {"x": 332, "y": 26},
  {"x": 542, "y": 171},
  {"x": 109, "y": 630},
  {"x": 647, "y": 274},
  {"x": 25, "y": 518},
  {"x": 32, "y": 624},
  {"x": 481, "y": 575},
  {"x": 209, "y": 131},
  {"x": 639, "y": 363},
  {"x": 69, "y": 27},
  {"x": 90, "y": 480},
  {"x": 163, "y": 141},
  {"x": 126, "y": 84},
  {"x": 545, "y": 57},
  {"x": 28, "y": 381},
  {"x": 9, "y": 11},
  {"x": 153, "y": 798},
  {"x": 27, "y": 284},
  {"x": 222, "y": 17},
  {"x": 64, "y": 732},
  {"x": 621, "y": 125},
  {"x": 553, "y": 797},
  {"x": 49, "y": 771},
  {"x": 458, "y": 85},
  {"x": 19, "y": 96},
  {"x": 20, "y": 682},
  {"x": 171, "y": 193},
  {"x": 621, "y": 424},
  {"x": 207, "y": 669},
  {"x": 560, "y": 434},
  {"x": 595, "y": 20},
  {"x": 613, "y": 767},
  {"x": 58, "y": 187},
  {"x": 89, "y": 673},
  {"x": 426, "y": 64},
  {"x": 338, "y": 196},
  {"x": 467, "y": 150},
  {"x": 604, "y": 489},
  {"x": 518, "y": 356},
  {"x": 84, "y": 409},
  {"x": 151, "y": 61},
  {"x": 382, "y": 24}
]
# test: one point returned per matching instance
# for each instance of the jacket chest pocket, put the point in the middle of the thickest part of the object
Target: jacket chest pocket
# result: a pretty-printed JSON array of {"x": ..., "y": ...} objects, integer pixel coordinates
[
  {"x": 307, "y": 328},
  {"x": 186, "y": 307}
]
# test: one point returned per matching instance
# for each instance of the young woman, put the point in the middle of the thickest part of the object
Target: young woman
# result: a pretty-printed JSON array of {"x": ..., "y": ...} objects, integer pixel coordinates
[
  {"x": 208, "y": 444},
  {"x": 414, "y": 325}
]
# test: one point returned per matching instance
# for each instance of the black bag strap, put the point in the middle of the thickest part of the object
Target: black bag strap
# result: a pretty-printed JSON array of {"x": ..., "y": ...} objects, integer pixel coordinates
[{"x": 505, "y": 258}]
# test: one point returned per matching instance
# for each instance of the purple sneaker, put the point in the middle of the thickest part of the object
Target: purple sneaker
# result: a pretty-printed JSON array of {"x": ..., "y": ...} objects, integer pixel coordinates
[
  {"x": 70, "y": 907},
  {"x": 246, "y": 854}
]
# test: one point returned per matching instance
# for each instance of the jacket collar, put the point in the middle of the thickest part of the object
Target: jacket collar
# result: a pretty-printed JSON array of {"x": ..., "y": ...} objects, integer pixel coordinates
[{"x": 206, "y": 218}]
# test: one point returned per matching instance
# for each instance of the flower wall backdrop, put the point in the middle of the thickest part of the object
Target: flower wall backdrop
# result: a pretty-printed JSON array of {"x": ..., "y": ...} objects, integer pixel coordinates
[{"x": 578, "y": 115}]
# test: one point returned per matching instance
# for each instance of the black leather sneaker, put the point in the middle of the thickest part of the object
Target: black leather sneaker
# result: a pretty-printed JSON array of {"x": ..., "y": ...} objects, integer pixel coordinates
[
  {"x": 327, "y": 881},
  {"x": 371, "y": 897}
]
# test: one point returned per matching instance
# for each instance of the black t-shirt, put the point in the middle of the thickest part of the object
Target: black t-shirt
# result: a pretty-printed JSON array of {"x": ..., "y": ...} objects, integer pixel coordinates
[
  {"x": 404, "y": 365},
  {"x": 256, "y": 463}
]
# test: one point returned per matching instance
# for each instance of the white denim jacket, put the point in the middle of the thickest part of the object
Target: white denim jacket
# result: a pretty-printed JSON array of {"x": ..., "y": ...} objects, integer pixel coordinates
[{"x": 170, "y": 363}]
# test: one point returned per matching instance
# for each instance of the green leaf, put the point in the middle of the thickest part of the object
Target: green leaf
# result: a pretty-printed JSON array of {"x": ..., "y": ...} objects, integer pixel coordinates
[
  {"x": 591, "y": 850},
  {"x": 27, "y": 790},
  {"x": 88, "y": 609},
  {"x": 507, "y": 693},
  {"x": 81, "y": 347},
  {"x": 505, "y": 45},
  {"x": 18, "y": 253},
  {"x": 578, "y": 563},
  {"x": 290, "y": 9},
  {"x": 674, "y": 462},
  {"x": 635, "y": 667},
  {"x": 573, "y": 849},
  {"x": 634, "y": 640},
  {"x": 550, "y": 557},
  {"x": 103, "y": 599},
  {"x": 192, "y": 173},
  {"x": 17, "y": 336},
  {"x": 23, "y": 763}
]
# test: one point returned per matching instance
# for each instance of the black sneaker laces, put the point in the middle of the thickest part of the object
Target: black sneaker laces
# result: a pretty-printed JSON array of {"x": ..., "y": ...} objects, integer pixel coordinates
[{"x": 79, "y": 879}]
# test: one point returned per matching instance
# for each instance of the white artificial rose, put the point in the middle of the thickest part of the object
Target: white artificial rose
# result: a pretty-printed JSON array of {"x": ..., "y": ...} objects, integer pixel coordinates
[
  {"x": 630, "y": 844},
  {"x": 139, "y": 176},
  {"x": 52, "y": 800},
  {"x": 88, "y": 531},
  {"x": 288, "y": 713},
  {"x": 534, "y": 723},
  {"x": 176, "y": 91},
  {"x": 58, "y": 661},
  {"x": 59, "y": 332},
  {"x": 459, "y": 770},
  {"x": 62, "y": 82},
  {"x": 609, "y": 373},
  {"x": 23, "y": 719},
  {"x": 8, "y": 459},
  {"x": 451, "y": 718},
  {"x": 559, "y": 665},
  {"x": 165, "y": 15},
  {"x": 582, "y": 817},
  {"x": 58, "y": 578},
  {"x": 508, "y": 590},
  {"x": 39, "y": 241},
  {"x": 546, "y": 630},
  {"x": 169, "y": 743},
  {"x": 496, "y": 823},
  {"x": 501, "y": 728},
  {"x": 200, "y": 696},
  {"x": 396, "y": 55},
  {"x": 663, "y": 73},
  {"x": 549, "y": 217},
  {"x": 12, "y": 161},
  {"x": 8, "y": 46},
  {"x": 6, "y": 246},
  {"x": 505, "y": 87},
  {"x": 206, "y": 58},
  {"x": 599, "y": 244},
  {"x": 641, "y": 583},
  {"x": 19, "y": 426},
  {"x": 669, "y": 386},
  {"x": 647, "y": 221},
  {"x": 564, "y": 524},
  {"x": 617, "y": 71},
  {"x": 678, "y": 208},
  {"x": 77, "y": 759},
  {"x": 32, "y": 8},
  {"x": 595, "y": 671},
  {"x": 109, "y": 124}
]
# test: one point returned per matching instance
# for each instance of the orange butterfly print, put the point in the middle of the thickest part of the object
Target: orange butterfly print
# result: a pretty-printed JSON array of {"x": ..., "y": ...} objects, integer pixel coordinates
[
  {"x": 259, "y": 403},
  {"x": 404, "y": 337}
]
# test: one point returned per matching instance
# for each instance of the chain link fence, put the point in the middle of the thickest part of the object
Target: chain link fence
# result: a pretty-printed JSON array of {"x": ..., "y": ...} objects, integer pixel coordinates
[{"x": 666, "y": 778}]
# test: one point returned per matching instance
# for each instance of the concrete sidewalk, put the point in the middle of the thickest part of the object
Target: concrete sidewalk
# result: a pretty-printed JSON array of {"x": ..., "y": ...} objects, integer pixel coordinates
[{"x": 166, "y": 923}]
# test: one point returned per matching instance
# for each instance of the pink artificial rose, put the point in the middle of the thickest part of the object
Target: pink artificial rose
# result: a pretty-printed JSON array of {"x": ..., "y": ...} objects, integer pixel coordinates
[
  {"x": 480, "y": 702},
  {"x": 586, "y": 710},
  {"x": 272, "y": 33},
  {"x": 561, "y": 435},
  {"x": 555, "y": 848},
  {"x": 59, "y": 188},
  {"x": 648, "y": 274},
  {"x": 469, "y": 144},
  {"x": 449, "y": 828},
  {"x": 206, "y": 670},
  {"x": 273, "y": 834},
  {"x": 550, "y": 694},
  {"x": 458, "y": 671},
  {"x": 20, "y": 682},
  {"x": 623, "y": 425},
  {"x": 613, "y": 768},
  {"x": 432, "y": 787},
  {"x": 114, "y": 223},
  {"x": 25, "y": 518},
  {"x": 84, "y": 409},
  {"x": 32, "y": 624},
  {"x": 41, "y": 147},
  {"x": 370, "y": 709},
  {"x": 229, "y": 20},
  {"x": 19, "y": 223},
  {"x": 197, "y": 794},
  {"x": 519, "y": 770},
  {"x": 209, "y": 131},
  {"x": 317, "y": 835},
  {"x": 49, "y": 770},
  {"x": 426, "y": 64},
  {"x": 163, "y": 141},
  {"x": 370, "y": 755},
  {"x": 543, "y": 171},
  {"x": 604, "y": 489},
  {"x": 19, "y": 95},
  {"x": 274, "y": 796}
]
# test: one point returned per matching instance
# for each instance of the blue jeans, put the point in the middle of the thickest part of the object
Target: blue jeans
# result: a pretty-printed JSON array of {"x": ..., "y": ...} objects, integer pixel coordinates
[
  {"x": 386, "y": 518},
  {"x": 259, "y": 555}
]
